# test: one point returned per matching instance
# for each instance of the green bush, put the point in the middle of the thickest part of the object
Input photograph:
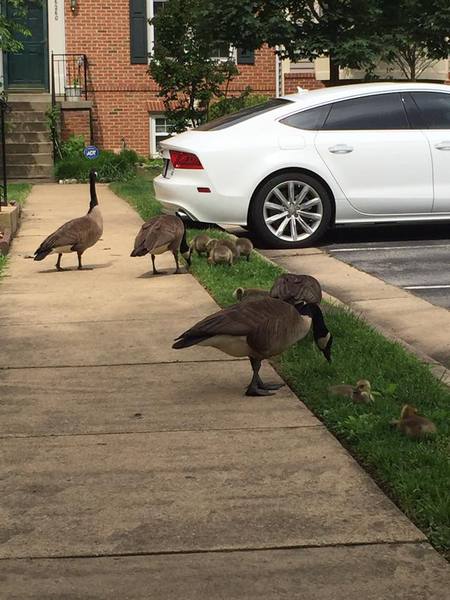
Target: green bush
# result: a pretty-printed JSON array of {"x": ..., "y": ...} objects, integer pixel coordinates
[
  {"x": 225, "y": 106},
  {"x": 73, "y": 147},
  {"x": 109, "y": 166}
]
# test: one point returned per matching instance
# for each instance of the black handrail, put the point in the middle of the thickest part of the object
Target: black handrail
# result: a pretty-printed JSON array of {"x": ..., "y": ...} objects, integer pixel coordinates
[
  {"x": 69, "y": 76},
  {"x": 4, "y": 185}
]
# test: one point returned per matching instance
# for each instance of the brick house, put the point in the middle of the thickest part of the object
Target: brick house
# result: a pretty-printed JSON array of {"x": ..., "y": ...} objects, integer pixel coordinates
[{"x": 92, "y": 55}]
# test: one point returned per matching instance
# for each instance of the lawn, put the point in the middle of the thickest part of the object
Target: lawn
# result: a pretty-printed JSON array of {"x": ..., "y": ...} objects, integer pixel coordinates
[
  {"x": 17, "y": 192},
  {"x": 415, "y": 474}
]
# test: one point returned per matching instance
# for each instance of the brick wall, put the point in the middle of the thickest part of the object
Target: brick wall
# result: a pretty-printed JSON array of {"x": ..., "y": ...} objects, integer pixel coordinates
[
  {"x": 120, "y": 91},
  {"x": 304, "y": 80},
  {"x": 75, "y": 122}
]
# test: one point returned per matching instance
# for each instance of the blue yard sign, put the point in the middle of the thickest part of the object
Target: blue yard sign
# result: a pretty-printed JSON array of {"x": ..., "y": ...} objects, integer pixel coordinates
[{"x": 91, "y": 152}]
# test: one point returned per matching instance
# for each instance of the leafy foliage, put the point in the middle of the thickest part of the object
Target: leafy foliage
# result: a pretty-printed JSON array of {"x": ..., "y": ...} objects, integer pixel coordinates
[
  {"x": 11, "y": 30},
  {"x": 182, "y": 64},
  {"x": 416, "y": 34},
  {"x": 232, "y": 104},
  {"x": 353, "y": 33},
  {"x": 109, "y": 166}
]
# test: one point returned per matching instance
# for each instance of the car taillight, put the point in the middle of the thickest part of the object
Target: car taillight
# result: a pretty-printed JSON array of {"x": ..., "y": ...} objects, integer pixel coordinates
[{"x": 184, "y": 160}]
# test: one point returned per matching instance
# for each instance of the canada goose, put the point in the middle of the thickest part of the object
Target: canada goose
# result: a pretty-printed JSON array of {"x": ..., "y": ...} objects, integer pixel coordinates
[
  {"x": 242, "y": 294},
  {"x": 412, "y": 424},
  {"x": 361, "y": 393},
  {"x": 76, "y": 235},
  {"x": 160, "y": 234},
  {"x": 294, "y": 288},
  {"x": 199, "y": 244},
  {"x": 220, "y": 254},
  {"x": 244, "y": 247},
  {"x": 222, "y": 242},
  {"x": 258, "y": 330}
]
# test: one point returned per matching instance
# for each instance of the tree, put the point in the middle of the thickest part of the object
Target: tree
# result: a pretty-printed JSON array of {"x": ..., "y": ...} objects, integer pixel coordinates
[
  {"x": 416, "y": 34},
  {"x": 344, "y": 30},
  {"x": 12, "y": 29},
  {"x": 183, "y": 64}
]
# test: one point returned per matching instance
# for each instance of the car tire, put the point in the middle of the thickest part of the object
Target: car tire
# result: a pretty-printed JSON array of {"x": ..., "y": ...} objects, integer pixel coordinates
[{"x": 279, "y": 212}]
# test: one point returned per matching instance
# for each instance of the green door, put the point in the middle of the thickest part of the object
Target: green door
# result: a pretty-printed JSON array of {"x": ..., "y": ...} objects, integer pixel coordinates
[{"x": 29, "y": 68}]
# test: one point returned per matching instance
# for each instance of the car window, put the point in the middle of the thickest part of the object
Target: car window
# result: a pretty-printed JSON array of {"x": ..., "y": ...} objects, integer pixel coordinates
[
  {"x": 382, "y": 111},
  {"x": 435, "y": 108},
  {"x": 311, "y": 119},
  {"x": 243, "y": 115}
]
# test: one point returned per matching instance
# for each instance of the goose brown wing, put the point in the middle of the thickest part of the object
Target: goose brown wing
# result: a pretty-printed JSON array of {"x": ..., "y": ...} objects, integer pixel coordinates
[
  {"x": 165, "y": 230},
  {"x": 143, "y": 231},
  {"x": 68, "y": 234},
  {"x": 294, "y": 288},
  {"x": 242, "y": 319}
]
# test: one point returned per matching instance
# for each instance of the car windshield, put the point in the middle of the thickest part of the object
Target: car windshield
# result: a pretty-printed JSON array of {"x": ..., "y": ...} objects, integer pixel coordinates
[{"x": 243, "y": 115}]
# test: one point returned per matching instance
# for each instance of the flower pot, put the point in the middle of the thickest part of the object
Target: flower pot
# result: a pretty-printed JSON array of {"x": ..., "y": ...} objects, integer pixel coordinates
[{"x": 73, "y": 93}]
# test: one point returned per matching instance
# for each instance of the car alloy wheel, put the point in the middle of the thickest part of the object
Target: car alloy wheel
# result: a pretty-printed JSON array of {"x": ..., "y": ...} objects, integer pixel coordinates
[{"x": 293, "y": 211}]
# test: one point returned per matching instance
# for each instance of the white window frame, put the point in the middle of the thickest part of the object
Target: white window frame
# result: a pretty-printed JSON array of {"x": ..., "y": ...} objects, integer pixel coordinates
[{"x": 153, "y": 134}]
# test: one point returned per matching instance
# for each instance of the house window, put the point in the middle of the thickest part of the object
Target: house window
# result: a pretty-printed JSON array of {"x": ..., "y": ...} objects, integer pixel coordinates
[
  {"x": 156, "y": 7},
  {"x": 159, "y": 131}
]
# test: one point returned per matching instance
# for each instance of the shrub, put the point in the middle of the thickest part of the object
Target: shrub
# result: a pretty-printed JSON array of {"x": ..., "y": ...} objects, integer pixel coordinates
[
  {"x": 225, "y": 106},
  {"x": 109, "y": 166},
  {"x": 73, "y": 147}
]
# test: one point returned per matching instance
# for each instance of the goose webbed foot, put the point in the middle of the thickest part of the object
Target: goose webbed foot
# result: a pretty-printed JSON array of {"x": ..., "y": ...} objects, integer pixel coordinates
[
  {"x": 268, "y": 386},
  {"x": 257, "y": 387},
  {"x": 58, "y": 263},
  {"x": 253, "y": 390}
]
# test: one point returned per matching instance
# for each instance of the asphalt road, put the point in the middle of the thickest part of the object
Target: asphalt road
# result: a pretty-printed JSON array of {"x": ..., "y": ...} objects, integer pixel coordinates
[{"x": 414, "y": 257}]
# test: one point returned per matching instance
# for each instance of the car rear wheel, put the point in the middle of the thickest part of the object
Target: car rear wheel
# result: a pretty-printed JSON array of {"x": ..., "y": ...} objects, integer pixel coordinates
[{"x": 291, "y": 210}]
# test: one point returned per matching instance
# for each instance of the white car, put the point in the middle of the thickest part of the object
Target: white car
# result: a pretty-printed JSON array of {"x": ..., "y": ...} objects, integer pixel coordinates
[{"x": 295, "y": 166}]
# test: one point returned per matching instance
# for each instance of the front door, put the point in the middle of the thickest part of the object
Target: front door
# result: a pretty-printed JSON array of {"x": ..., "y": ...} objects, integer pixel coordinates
[{"x": 28, "y": 69}]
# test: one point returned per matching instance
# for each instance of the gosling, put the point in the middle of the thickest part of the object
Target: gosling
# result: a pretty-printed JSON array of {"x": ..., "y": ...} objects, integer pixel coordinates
[
  {"x": 199, "y": 244},
  {"x": 413, "y": 425},
  {"x": 245, "y": 294},
  {"x": 359, "y": 394},
  {"x": 220, "y": 254},
  {"x": 244, "y": 247}
]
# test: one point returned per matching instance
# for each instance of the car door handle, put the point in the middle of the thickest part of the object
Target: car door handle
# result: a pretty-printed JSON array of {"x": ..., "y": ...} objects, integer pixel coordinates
[
  {"x": 445, "y": 145},
  {"x": 340, "y": 149}
]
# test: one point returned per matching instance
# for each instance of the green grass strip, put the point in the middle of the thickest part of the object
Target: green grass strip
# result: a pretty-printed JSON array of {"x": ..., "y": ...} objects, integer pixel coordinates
[
  {"x": 18, "y": 192},
  {"x": 415, "y": 474}
]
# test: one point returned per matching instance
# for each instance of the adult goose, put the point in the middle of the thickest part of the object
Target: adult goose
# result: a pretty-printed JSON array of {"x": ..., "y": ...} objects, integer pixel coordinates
[
  {"x": 161, "y": 234},
  {"x": 259, "y": 329},
  {"x": 76, "y": 235},
  {"x": 294, "y": 288}
]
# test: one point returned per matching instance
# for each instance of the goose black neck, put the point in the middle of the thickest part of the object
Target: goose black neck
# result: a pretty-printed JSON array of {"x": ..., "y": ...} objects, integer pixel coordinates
[
  {"x": 184, "y": 246},
  {"x": 94, "y": 201},
  {"x": 320, "y": 330}
]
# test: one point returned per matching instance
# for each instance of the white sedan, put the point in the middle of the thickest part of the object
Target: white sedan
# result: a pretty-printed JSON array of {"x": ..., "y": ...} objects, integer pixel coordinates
[{"x": 293, "y": 167}]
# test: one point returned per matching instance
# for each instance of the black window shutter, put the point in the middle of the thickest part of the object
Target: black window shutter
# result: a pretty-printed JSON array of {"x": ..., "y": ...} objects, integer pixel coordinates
[
  {"x": 138, "y": 32},
  {"x": 245, "y": 57}
]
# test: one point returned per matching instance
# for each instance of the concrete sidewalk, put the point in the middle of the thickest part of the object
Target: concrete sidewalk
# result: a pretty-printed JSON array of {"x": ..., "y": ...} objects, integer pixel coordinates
[{"x": 131, "y": 471}]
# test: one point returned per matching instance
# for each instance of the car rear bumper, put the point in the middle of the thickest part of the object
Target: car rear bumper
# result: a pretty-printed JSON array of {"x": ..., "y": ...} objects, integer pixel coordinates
[{"x": 179, "y": 194}]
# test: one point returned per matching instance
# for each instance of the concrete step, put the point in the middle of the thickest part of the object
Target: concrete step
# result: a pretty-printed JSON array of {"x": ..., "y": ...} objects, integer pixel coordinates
[
  {"x": 30, "y": 171},
  {"x": 27, "y": 126},
  {"x": 29, "y": 97},
  {"x": 43, "y": 159},
  {"x": 30, "y": 106},
  {"x": 14, "y": 148},
  {"x": 28, "y": 137},
  {"x": 26, "y": 116}
]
